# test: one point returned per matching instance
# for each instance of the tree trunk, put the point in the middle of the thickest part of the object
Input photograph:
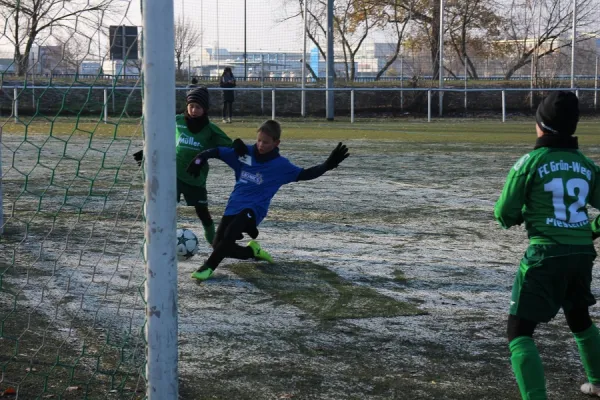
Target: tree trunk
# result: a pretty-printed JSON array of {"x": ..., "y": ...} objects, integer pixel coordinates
[
  {"x": 386, "y": 66},
  {"x": 345, "y": 59},
  {"x": 521, "y": 63},
  {"x": 179, "y": 64},
  {"x": 22, "y": 60},
  {"x": 316, "y": 43},
  {"x": 471, "y": 67},
  {"x": 435, "y": 38},
  {"x": 312, "y": 72}
]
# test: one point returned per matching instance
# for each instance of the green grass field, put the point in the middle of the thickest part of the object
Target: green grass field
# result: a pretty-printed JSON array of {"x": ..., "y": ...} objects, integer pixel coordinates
[{"x": 520, "y": 131}]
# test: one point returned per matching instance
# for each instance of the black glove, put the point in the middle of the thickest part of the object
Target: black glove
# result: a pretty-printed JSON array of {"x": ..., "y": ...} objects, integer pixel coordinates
[
  {"x": 240, "y": 147},
  {"x": 138, "y": 156},
  {"x": 196, "y": 165},
  {"x": 339, "y": 154}
]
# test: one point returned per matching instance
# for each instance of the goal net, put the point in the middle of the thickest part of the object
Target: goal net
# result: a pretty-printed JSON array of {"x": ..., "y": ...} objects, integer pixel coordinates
[{"x": 71, "y": 265}]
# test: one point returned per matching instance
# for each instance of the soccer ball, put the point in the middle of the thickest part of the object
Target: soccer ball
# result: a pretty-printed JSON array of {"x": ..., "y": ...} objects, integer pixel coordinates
[{"x": 187, "y": 244}]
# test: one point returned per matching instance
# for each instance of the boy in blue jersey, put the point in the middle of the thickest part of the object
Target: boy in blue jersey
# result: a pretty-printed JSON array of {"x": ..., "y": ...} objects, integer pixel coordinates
[{"x": 259, "y": 171}]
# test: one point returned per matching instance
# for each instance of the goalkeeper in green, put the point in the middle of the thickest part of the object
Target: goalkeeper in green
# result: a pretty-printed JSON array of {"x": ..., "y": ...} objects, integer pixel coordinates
[
  {"x": 195, "y": 133},
  {"x": 548, "y": 190}
]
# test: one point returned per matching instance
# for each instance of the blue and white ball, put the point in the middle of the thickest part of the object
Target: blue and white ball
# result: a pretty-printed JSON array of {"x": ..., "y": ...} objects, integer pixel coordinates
[{"x": 187, "y": 244}]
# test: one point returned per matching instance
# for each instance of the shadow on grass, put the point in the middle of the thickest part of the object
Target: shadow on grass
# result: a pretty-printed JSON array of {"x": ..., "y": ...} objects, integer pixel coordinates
[{"x": 318, "y": 291}]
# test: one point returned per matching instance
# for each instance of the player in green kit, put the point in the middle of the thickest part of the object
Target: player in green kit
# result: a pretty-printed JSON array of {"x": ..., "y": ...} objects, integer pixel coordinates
[
  {"x": 195, "y": 133},
  {"x": 549, "y": 190}
]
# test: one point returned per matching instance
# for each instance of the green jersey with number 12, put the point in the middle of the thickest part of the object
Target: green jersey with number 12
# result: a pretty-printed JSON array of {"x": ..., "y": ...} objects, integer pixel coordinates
[{"x": 549, "y": 189}]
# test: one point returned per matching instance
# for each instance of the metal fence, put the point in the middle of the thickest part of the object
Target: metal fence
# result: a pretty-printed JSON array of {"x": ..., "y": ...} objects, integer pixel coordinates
[{"x": 353, "y": 103}]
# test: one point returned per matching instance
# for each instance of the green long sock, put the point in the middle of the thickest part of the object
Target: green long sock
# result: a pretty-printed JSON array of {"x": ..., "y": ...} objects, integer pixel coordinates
[
  {"x": 528, "y": 368},
  {"x": 588, "y": 343},
  {"x": 209, "y": 232}
]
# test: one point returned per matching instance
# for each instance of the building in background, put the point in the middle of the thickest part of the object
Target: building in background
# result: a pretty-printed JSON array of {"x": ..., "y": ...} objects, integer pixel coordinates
[{"x": 7, "y": 65}]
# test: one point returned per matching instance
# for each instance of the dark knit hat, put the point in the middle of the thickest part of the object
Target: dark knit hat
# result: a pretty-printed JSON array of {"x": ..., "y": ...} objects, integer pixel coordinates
[
  {"x": 200, "y": 96},
  {"x": 558, "y": 113}
]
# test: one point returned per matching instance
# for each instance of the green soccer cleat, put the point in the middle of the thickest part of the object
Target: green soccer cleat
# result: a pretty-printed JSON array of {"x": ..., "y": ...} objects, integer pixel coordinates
[
  {"x": 259, "y": 253},
  {"x": 202, "y": 274}
]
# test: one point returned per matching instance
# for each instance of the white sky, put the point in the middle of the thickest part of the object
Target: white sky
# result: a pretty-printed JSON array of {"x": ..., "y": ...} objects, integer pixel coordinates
[
  {"x": 222, "y": 21},
  {"x": 264, "y": 29}
]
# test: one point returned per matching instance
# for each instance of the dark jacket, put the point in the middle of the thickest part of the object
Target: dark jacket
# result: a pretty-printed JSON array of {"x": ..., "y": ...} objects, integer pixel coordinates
[{"x": 227, "y": 81}]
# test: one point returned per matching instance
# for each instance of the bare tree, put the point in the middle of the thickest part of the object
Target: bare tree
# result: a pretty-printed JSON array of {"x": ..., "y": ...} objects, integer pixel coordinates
[
  {"x": 539, "y": 28},
  {"x": 137, "y": 64},
  {"x": 68, "y": 53},
  {"x": 187, "y": 37},
  {"x": 398, "y": 18},
  {"x": 316, "y": 29},
  {"x": 425, "y": 14},
  {"x": 355, "y": 20},
  {"x": 352, "y": 19},
  {"x": 472, "y": 28},
  {"x": 26, "y": 20}
]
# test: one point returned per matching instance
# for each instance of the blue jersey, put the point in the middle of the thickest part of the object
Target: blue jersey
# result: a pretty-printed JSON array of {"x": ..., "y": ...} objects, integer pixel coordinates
[{"x": 256, "y": 182}]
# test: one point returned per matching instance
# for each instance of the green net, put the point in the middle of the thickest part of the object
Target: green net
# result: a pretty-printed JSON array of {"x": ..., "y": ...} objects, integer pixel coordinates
[{"x": 71, "y": 269}]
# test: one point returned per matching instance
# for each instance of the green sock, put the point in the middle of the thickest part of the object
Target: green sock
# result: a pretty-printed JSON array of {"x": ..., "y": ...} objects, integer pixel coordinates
[
  {"x": 528, "y": 368},
  {"x": 588, "y": 343},
  {"x": 209, "y": 232}
]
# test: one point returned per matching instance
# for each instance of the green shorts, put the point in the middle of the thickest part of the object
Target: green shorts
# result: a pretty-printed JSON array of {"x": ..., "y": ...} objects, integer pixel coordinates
[
  {"x": 551, "y": 277},
  {"x": 193, "y": 195}
]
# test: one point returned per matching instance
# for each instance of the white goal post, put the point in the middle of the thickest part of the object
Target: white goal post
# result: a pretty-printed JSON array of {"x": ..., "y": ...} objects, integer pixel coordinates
[{"x": 160, "y": 192}]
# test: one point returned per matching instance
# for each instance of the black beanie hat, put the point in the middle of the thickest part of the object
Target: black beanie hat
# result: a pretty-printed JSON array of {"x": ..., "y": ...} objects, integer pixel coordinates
[
  {"x": 200, "y": 96},
  {"x": 558, "y": 113}
]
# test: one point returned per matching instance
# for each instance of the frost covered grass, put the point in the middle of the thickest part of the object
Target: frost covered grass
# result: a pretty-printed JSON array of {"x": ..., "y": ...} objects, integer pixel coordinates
[
  {"x": 391, "y": 281},
  {"x": 412, "y": 222}
]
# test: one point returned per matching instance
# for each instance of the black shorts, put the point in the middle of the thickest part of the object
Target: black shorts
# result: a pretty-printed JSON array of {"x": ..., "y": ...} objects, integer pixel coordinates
[
  {"x": 193, "y": 195},
  {"x": 552, "y": 277},
  {"x": 235, "y": 225}
]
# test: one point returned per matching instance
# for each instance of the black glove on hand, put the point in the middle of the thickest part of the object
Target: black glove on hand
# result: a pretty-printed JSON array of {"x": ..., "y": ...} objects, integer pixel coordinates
[
  {"x": 240, "y": 147},
  {"x": 196, "y": 165},
  {"x": 339, "y": 154},
  {"x": 138, "y": 156}
]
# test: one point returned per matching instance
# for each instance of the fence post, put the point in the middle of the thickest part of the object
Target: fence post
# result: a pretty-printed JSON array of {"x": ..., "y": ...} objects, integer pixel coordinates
[
  {"x": 429, "y": 106},
  {"x": 15, "y": 105},
  {"x": 105, "y": 106},
  {"x": 503, "y": 106},
  {"x": 596, "y": 86},
  {"x": 401, "y": 80},
  {"x": 273, "y": 104},
  {"x": 1, "y": 199},
  {"x": 262, "y": 84},
  {"x": 352, "y": 106},
  {"x": 466, "y": 99},
  {"x": 401, "y": 100}
]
